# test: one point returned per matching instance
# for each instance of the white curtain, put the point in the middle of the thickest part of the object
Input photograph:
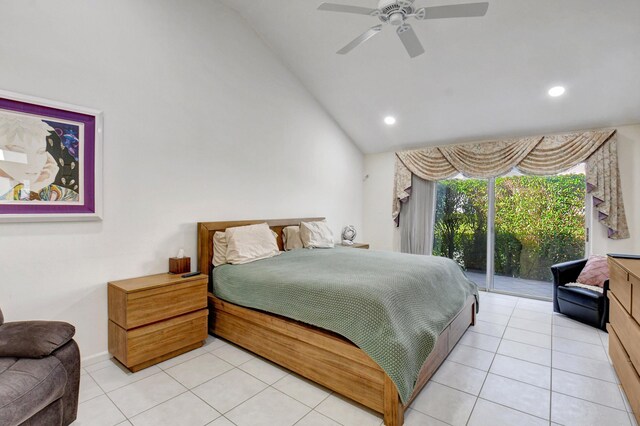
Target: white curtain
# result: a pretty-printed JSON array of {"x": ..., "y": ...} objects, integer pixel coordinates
[{"x": 417, "y": 218}]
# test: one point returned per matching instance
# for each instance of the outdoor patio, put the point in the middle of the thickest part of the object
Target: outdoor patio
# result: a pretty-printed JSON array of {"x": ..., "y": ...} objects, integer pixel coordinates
[{"x": 519, "y": 286}]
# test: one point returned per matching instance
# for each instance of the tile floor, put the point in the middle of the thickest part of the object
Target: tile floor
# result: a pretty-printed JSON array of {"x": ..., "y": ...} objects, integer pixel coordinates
[{"x": 520, "y": 365}]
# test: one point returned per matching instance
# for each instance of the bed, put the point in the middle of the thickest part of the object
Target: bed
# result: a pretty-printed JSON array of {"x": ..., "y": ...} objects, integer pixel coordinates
[{"x": 322, "y": 356}]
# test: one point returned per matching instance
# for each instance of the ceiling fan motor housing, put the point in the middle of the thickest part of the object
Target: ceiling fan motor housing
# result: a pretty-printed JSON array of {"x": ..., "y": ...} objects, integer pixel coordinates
[{"x": 394, "y": 12}]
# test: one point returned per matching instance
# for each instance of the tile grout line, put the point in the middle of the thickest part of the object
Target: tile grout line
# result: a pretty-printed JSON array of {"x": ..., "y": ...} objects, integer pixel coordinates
[
  {"x": 237, "y": 367},
  {"x": 592, "y": 402},
  {"x": 551, "y": 380},
  {"x": 487, "y": 374},
  {"x": 168, "y": 375},
  {"x": 519, "y": 359},
  {"x": 108, "y": 397},
  {"x": 160, "y": 403}
]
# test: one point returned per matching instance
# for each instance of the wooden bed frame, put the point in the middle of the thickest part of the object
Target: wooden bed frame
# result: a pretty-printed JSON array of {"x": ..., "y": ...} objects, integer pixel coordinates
[{"x": 319, "y": 355}]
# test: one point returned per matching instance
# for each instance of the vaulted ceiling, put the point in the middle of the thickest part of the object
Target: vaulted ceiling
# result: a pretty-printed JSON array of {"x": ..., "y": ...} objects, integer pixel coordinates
[{"x": 480, "y": 78}]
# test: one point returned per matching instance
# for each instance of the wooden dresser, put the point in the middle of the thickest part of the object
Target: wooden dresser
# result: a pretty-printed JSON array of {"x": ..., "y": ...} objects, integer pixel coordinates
[
  {"x": 156, "y": 317},
  {"x": 624, "y": 327}
]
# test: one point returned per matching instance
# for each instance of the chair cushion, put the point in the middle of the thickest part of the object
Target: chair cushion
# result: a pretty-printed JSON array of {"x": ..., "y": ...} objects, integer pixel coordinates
[
  {"x": 33, "y": 339},
  {"x": 595, "y": 272},
  {"x": 27, "y": 386},
  {"x": 581, "y": 296},
  {"x": 587, "y": 286}
]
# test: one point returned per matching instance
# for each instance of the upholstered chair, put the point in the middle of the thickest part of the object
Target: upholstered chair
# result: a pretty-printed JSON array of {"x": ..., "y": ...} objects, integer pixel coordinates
[{"x": 39, "y": 373}]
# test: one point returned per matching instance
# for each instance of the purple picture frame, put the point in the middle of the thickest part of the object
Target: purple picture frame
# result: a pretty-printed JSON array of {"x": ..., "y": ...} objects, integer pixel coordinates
[{"x": 89, "y": 160}]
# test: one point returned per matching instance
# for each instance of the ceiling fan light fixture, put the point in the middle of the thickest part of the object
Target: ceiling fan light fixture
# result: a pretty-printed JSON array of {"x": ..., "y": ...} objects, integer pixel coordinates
[
  {"x": 556, "y": 91},
  {"x": 389, "y": 120},
  {"x": 397, "y": 12},
  {"x": 396, "y": 18}
]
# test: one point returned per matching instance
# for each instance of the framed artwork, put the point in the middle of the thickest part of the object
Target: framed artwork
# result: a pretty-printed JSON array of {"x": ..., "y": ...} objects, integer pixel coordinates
[{"x": 50, "y": 160}]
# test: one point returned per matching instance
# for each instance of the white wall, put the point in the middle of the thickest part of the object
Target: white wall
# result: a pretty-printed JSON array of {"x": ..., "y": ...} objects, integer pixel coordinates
[
  {"x": 378, "y": 193},
  {"x": 202, "y": 122},
  {"x": 381, "y": 233},
  {"x": 628, "y": 159}
]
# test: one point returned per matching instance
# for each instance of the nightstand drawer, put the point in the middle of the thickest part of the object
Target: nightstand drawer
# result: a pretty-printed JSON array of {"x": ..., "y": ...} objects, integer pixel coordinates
[
  {"x": 130, "y": 310},
  {"x": 156, "y": 317},
  {"x": 619, "y": 285},
  {"x": 150, "y": 343}
]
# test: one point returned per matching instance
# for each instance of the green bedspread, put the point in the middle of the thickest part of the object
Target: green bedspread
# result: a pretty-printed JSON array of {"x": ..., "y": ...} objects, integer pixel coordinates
[{"x": 391, "y": 305}]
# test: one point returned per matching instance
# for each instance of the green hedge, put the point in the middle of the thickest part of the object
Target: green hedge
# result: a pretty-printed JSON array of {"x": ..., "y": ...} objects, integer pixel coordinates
[{"x": 539, "y": 222}]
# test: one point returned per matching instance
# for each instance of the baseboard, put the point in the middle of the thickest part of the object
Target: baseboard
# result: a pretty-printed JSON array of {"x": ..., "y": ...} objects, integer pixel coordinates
[{"x": 94, "y": 359}]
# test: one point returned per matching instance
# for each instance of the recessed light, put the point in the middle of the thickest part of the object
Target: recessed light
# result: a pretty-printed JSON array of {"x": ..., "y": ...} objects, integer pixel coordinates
[
  {"x": 389, "y": 120},
  {"x": 556, "y": 91}
]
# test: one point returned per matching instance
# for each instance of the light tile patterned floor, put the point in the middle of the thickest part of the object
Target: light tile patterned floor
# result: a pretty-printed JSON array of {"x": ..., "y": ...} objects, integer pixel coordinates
[{"x": 520, "y": 365}]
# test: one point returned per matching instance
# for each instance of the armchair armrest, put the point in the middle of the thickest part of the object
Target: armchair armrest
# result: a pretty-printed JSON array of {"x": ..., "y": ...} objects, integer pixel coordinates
[
  {"x": 567, "y": 272},
  {"x": 33, "y": 339}
]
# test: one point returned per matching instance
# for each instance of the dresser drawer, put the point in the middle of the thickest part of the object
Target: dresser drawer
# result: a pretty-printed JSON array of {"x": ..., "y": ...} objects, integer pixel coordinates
[
  {"x": 130, "y": 310},
  {"x": 626, "y": 372},
  {"x": 627, "y": 330},
  {"x": 635, "y": 297},
  {"x": 143, "y": 344},
  {"x": 619, "y": 284}
]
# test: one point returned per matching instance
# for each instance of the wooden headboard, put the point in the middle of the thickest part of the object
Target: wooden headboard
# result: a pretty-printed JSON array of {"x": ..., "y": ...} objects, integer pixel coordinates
[{"x": 207, "y": 229}]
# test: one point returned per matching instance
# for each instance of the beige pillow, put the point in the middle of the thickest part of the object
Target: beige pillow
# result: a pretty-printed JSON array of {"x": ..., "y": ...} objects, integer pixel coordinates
[
  {"x": 316, "y": 235},
  {"x": 249, "y": 243},
  {"x": 291, "y": 237},
  {"x": 219, "y": 248}
]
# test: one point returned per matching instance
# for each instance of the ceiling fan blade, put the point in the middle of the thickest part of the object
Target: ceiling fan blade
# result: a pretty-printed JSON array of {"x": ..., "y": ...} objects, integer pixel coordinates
[
  {"x": 410, "y": 40},
  {"x": 333, "y": 7},
  {"x": 467, "y": 10},
  {"x": 360, "y": 39}
]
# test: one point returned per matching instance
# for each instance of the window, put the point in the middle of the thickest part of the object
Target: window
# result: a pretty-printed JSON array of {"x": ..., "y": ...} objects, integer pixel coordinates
[{"x": 536, "y": 221}]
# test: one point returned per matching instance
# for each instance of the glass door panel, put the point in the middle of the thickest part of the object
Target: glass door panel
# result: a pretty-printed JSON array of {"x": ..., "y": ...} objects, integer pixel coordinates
[
  {"x": 460, "y": 229},
  {"x": 539, "y": 221}
]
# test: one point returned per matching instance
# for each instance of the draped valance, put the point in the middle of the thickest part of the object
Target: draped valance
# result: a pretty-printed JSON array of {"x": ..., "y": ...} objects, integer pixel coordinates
[{"x": 539, "y": 155}]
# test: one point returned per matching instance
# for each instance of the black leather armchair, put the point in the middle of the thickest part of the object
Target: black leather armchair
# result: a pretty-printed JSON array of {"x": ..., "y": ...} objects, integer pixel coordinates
[{"x": 584, "y": 305}]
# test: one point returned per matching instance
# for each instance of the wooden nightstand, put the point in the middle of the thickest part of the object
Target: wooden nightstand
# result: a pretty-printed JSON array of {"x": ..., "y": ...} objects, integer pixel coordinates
[
  {"x": 355, "y": 245},
  {"x": 157, "y": 317}
]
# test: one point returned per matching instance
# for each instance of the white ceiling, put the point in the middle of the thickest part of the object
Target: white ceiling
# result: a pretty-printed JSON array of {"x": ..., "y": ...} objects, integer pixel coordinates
[{"x": 480, "y": 77}]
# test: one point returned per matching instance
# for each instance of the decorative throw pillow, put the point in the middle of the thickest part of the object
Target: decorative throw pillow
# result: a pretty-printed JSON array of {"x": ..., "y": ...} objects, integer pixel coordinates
[
  {"x": 219, "y": 248},
  {"x": 595, "y": 272},
  {"x": 316, "y": 235},
  {"x": 249, "y": 243},
  {"x": 291, "y": 237}
]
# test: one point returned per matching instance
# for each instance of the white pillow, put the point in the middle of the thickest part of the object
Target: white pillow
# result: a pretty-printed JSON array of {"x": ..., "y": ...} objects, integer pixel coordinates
[
  {"x": 219, "y": 248},
  {"x": 248, "y": 243},
  {"x": 316, "y": 235},
  {"x": 291, "y": 237}
]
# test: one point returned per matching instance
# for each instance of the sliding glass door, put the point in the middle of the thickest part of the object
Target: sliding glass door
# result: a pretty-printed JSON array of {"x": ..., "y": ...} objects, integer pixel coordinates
[
  {"x": 507, "y": 232},
  {"x": 539, "y": 221},
  {"x": 460, "y": 229}
]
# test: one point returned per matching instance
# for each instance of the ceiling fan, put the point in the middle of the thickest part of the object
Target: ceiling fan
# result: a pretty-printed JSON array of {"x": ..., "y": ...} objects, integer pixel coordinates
[{"x": 397, "y": 13}]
